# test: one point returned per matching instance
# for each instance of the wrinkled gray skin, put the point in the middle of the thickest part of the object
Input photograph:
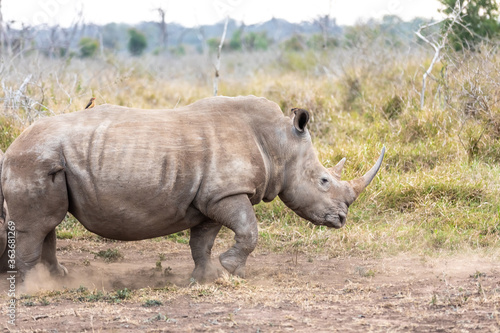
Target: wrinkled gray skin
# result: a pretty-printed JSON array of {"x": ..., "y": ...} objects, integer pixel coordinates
[{"x": 132, "y": 174}]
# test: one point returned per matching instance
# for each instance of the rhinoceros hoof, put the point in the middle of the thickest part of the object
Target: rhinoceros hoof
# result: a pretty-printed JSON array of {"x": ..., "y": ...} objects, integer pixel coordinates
[
  {"x": 232, "y": 264},
  {"x": 205, "y": 274},
  {"x": 60, "y": 270}
]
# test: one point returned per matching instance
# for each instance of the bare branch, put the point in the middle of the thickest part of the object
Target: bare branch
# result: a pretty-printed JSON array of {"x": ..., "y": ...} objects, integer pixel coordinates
[
  {"x": 455, "y": 17},
  {"x": 217, "y": 66}
]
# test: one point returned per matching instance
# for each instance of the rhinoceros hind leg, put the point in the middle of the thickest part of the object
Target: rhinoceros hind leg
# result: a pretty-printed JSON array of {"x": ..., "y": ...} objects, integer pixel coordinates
[
  {"x": 201, "y": 243},
  {"x": 49, "y": 255},
  {"x": 237, "y": 214},
  {"x": 36, "y": 203}
]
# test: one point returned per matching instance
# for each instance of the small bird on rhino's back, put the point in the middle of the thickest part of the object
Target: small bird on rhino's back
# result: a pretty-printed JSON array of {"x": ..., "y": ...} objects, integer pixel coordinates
[{"x": 91, "y": 103}]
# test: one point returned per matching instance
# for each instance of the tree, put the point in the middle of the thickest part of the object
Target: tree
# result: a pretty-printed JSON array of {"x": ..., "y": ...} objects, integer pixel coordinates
[
  {"x": 163, "y": 28},
  {"x": 88, "y": 47},
  {"x": 235, "y": 41},
  {"x": 479, "y": 21},
  {"x": 439, "y": 43},
  {"x": 324, "y": 24},
  {"x": 137, "y": 42},
  {"x": 257, "y": 41}
]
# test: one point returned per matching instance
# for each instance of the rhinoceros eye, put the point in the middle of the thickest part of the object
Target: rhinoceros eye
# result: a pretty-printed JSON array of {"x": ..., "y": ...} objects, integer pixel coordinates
[{"x": 325, "y": 183}]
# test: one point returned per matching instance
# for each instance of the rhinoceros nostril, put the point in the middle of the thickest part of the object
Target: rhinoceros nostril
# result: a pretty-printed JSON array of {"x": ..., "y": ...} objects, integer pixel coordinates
[{"x": 342, "y": 218}]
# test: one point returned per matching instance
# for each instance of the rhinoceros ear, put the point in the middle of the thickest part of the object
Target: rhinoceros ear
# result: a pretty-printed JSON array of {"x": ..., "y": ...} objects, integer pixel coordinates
[{"x": 300, "y": 119}]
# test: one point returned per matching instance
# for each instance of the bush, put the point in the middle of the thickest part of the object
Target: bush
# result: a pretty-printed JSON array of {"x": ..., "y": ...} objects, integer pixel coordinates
[
  {"x": 137, "y": 42},
  {"x": 295, "y": 43},
  {"x": 109, "y": 255},
  {"x": 473, "y": 96},
  {"x": 213, "y": 44},
  {"x": 235, "y": 41},
  {"x": 257, "y": 41},
  {"x": 394, "y": 107},
  {"x": 480, "y": 21},
  {"x": 316, "y": 42},
  {"x": 88, "y": 47}
]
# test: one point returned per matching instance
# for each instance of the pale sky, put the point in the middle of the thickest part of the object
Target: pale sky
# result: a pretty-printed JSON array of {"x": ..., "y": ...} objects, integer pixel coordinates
[{"x": 198, "y": 12}]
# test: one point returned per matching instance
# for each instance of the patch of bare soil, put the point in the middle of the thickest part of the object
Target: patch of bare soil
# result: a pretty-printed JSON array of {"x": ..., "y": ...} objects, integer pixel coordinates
[{"x": 282, "y": 292}]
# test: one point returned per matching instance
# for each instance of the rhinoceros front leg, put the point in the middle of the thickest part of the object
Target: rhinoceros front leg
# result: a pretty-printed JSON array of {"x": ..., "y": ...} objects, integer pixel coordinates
[
  {"x": 49, "y": 255},
  {"x": 201, "y": 243},
  {"x": 237, "y": 214}
]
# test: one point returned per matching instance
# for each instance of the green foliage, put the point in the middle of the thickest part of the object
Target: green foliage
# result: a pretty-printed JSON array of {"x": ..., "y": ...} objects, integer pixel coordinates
[
  {"x": 8, "y": 133},
  {"x": 151, "y": 303},
  {"x": 70, "y": 228},
  {"x": 235, "y": 41},
  {"x": 256, "y": 41},
  {"x": 85, "y": 295},
  {"x": 181, "y": 237},
  {"x": 88, "y": 47},
  {"x": 137, "y": 42},
  {"x": 252, "y": 41},
  {"x": 316, "y": 42},
  {"x": 123, "y": 293},
  {"x": 109, "y": 255},
  {"x": 480, "y": 21},
  {"x": 213, "y": 44},
  {"x": 295, "y": 43}
]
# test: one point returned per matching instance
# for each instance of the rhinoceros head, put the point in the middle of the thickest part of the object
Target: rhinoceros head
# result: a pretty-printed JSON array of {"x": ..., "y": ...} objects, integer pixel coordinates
[{"x": 313, "y": 191}]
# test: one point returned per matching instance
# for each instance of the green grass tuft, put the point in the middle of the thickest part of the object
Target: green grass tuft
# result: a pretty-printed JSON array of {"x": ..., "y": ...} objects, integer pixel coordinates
[{"x": 109, "y": 255}]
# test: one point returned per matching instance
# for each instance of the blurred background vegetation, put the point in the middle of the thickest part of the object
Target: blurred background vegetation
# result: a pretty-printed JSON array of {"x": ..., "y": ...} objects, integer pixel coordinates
[{"x": 439, "y": 188}]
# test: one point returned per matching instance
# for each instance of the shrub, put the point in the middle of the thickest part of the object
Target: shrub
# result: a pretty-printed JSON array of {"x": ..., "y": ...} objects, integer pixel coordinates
[
  {"x": 137, "y": 42},
  {"x": 88, "y": 47},
  {"x": 109, "y": 255},
  {"x": 295, "y": 43},
  {"x": 394, "y": 107}
]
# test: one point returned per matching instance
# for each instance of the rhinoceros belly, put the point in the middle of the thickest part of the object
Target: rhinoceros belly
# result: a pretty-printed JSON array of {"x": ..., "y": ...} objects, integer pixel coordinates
[{"x": 134, "y": 186}]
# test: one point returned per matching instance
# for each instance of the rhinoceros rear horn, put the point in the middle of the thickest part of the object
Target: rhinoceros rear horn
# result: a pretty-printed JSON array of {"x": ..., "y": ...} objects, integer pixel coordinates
[
  {"x": 337, "y": 170},
  {"x": 300, "y": 119},
  {"x": 359, "y": 184}
]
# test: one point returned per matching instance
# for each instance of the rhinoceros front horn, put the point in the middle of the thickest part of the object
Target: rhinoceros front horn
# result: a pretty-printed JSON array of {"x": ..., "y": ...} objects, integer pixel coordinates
[{"x": 359, "y": 184}]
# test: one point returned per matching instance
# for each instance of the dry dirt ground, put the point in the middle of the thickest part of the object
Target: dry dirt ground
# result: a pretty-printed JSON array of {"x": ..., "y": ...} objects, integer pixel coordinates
[{"x": 282, "y": 292}]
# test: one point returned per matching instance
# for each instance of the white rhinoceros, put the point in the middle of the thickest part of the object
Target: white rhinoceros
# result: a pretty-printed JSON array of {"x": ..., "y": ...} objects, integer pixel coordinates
[{"x": 132, "y": 174}]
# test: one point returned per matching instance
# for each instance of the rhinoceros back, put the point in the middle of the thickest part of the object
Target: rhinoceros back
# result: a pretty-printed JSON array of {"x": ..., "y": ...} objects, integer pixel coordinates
[{"x": 157, "y": 167}]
